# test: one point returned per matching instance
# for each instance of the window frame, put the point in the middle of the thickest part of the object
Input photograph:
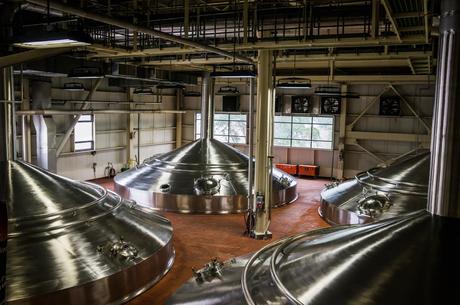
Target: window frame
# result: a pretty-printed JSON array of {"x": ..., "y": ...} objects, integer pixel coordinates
[
  {"x": 93, "y": 133},
  {"x": 311, "y": 124},
  {"x": 229, "y": 135}
]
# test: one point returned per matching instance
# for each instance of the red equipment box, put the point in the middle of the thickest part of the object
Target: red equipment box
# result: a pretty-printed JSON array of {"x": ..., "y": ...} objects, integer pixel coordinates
[
  {"x": 291, "y": 169},
  {"x": 308, "y": 170}
]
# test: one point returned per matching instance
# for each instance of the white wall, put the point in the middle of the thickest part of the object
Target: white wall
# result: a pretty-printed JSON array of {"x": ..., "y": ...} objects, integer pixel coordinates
[
  {"x": 157, "y": 133},
  {"x": 355, "y": 159}
]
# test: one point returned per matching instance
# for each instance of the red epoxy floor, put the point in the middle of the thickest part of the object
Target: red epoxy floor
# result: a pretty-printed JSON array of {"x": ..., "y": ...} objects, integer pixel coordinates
[{"x": 198, "y": 238}]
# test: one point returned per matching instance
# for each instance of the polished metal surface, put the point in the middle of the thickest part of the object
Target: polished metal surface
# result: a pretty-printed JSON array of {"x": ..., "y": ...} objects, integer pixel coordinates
[
  {"x": 406, "y": 260},
  {"x": 379, "y": 193},
  {"x": 205, "y": 176},
  {"x": 445, "y": 164},
  {"x": 75, "y": 242}
]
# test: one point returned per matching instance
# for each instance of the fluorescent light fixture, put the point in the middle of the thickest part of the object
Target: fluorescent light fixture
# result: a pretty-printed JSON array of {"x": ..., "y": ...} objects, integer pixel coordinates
[
  {"x": 45, "y": 40},
  {"x": 74, "y": 87},
  {"x": 293, "y": 83},
  {"x": 85, "y": 72},
  {"x": 234, "y": 74},
  {"x": 334, "y": 91},
  {"x": 328, "y": 91},
  {"x": 143, "y": 91},
  {"x": 170, "y": 86},
  {"x": 228, "y": 90},
  {"x": 192, "y": 93}
]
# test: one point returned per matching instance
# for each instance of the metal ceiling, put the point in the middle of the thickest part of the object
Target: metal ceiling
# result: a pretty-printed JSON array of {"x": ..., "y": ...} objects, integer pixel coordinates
[{"x": 242, "y": 27}]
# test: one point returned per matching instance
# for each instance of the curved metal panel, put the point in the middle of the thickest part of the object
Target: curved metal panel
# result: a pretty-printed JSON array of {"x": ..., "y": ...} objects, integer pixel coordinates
[
  {"x": 205, "y": 176},
  {"x": 75, "y": 242},
  {"x": 378, "y": 193},
  {"x": 362, "y": 264}
]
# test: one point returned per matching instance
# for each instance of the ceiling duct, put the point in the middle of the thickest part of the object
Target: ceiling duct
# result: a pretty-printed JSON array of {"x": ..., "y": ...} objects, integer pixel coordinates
[
  {"x": 205, "y": 176},
  {"x": 406, "y": 260},
  {"x": 378, "y": 193},
  {"x": 73, "y": 242}
]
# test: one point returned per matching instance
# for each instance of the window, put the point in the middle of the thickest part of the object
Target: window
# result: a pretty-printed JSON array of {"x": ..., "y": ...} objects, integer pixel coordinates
[
  {"x": 84, "y": 133},
  {"x": 315, "y": 132},
  {"x": 228, "y": 127}
]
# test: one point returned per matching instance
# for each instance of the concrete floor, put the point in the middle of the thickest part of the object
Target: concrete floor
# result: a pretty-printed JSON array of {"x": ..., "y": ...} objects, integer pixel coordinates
[{"x": 198, "y": 238}]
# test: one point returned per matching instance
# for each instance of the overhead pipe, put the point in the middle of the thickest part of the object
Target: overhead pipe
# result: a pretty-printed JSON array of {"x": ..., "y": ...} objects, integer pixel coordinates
[
  {"x": 136, "y": 28},
  {"x": 88, "y": 112}
]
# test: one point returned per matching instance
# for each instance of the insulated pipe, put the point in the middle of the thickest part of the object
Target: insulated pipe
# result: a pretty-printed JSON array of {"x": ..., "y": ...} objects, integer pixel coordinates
[
  {"x": 135, "y": 28},
  {"x": 444, "y": 195},
  {"x": 207, "y": 106},
  {"x": 264, "y": 120}
]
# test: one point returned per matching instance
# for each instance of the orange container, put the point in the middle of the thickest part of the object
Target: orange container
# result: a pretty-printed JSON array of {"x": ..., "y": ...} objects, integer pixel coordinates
[
  {"x": 308, "y": 170},
  {"x": 291, "y": 169}
]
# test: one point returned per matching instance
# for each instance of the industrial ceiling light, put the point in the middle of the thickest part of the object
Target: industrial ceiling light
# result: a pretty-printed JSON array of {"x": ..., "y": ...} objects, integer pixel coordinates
[
  {"x": 293, "y": 83},
  {"x": 170, "y": 86},
  {"x": 143, "y": 91},
  {"x": 329, "y": 90},
  {"x": 74, "y": 87},
  {"x": 334, "y": 91},
  {"x": 192, "y": 93},
  {"x": 86, "y": 72},
  {"x": 46, "y": 40},
  {"x": 234, "y": 74},
  {"x": 228, "y": 90}
]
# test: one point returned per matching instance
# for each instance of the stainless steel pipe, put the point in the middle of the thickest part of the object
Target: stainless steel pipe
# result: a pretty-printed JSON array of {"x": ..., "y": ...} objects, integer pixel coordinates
[
  {"x": 444, "y": 195},
  {"x": 207, "y": 106}
]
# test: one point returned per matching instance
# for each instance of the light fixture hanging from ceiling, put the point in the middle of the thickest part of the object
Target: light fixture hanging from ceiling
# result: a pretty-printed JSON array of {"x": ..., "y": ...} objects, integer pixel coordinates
[
  {"x": 143, "y": 91},
  {"x": 234, "y": 74},
  {"x": 73, "y": 86},
  {"x": 334, "y": 91},
  {"x": 85, "y": 72},
  {"x": 52, "y": 39},
  {"x": 228, "y": 90},
  {"x": 293, "y": 82}
]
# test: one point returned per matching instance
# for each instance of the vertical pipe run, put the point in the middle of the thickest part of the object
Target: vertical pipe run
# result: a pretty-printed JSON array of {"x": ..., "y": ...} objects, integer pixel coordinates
[
  {"x": 204, "y": 103},
  {"x": 264, "y": 134},
  {"x": 207, "y": 106},
  {"x": 251, "y": 144},
  {"x": 179, "y": 103},
  {"x": 444, "y": 195},
  {"x": 7, "y": 153}
]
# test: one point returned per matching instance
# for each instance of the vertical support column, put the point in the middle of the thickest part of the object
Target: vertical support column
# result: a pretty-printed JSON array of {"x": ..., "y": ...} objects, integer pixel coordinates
[
  {"x": 7, "y": 145},
  {"x": 444, "y": 195},
  {"x": 26, "y": 123},
  {"x": 264, "y": 138},
  {"x": 179, "y": 104},
  {"x": 6, "y": 153},
  {"x": 342, "y": 133},
  {"x": 245, "y": 20},
  {"x": 251, "y": 145},
  {"x": 375, "y": 21},
  {"x": 131, "y": 135}
]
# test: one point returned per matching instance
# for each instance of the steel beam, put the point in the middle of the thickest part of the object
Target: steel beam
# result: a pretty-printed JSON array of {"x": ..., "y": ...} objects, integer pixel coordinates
[
  {"x": 74, "y": 121},
  {"x": 264, "y": 143},
  {"x": 140, "y": 29},
  {"x": 30, "y": 55},
  {"x": 390, "y": 15},
  {"x": 263, "y": 45}
]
